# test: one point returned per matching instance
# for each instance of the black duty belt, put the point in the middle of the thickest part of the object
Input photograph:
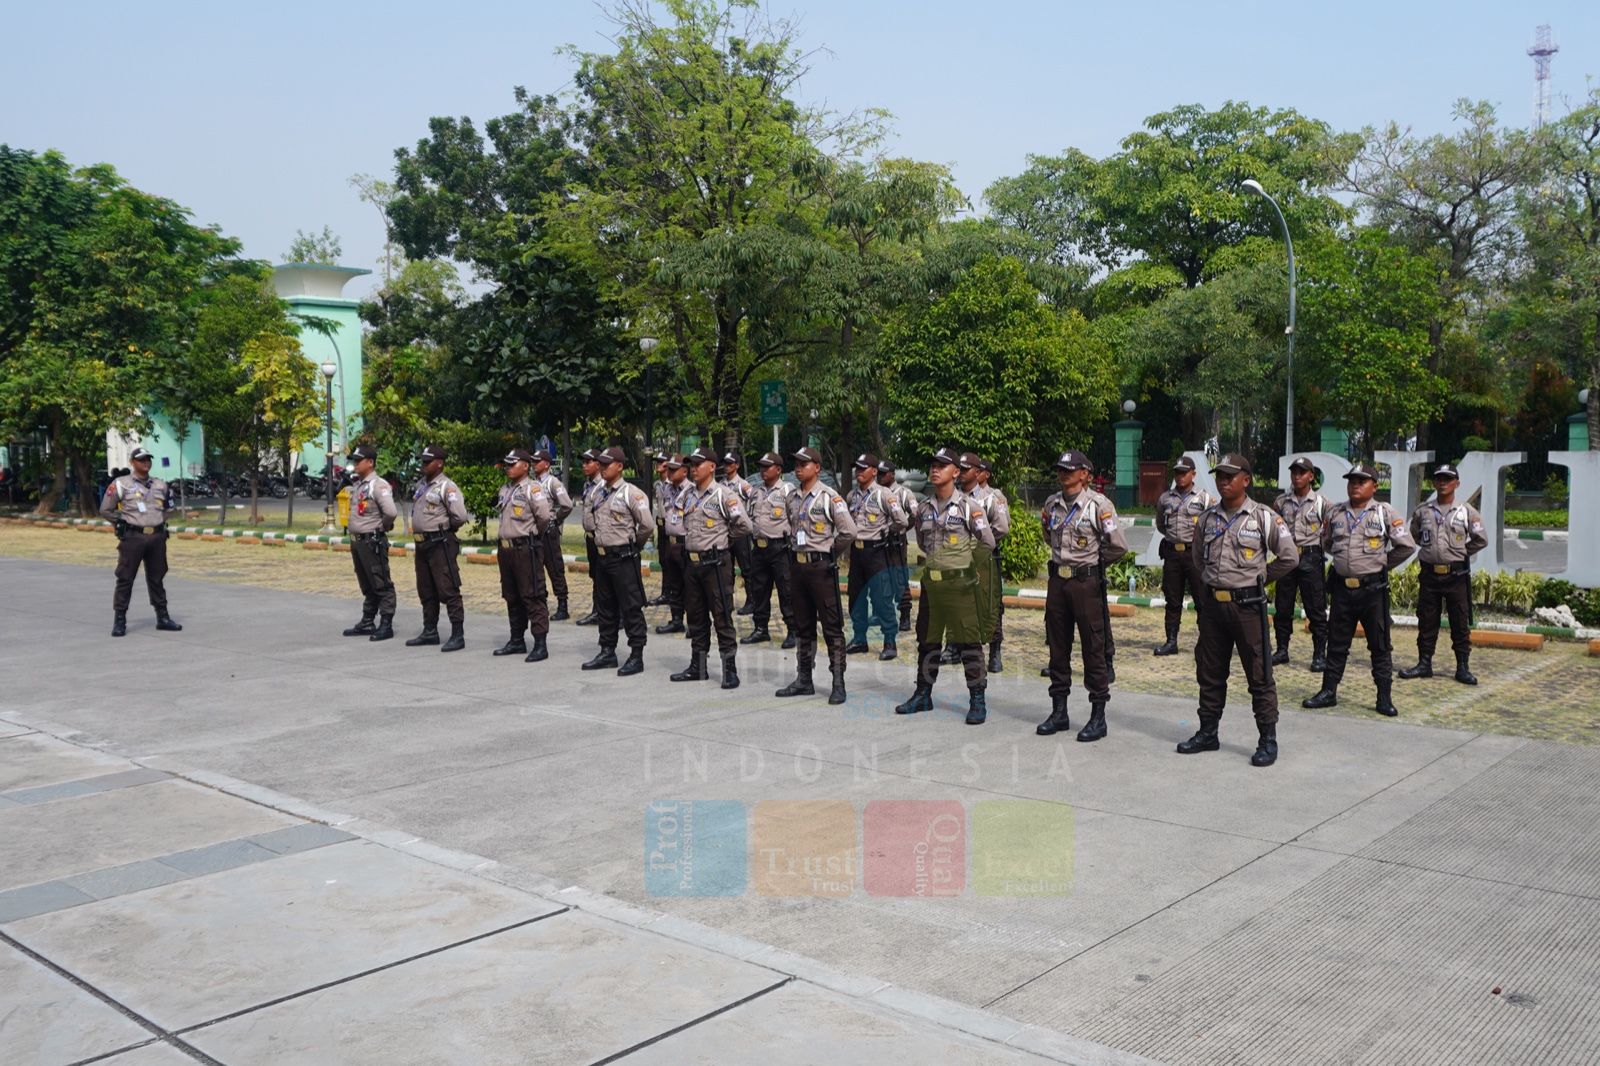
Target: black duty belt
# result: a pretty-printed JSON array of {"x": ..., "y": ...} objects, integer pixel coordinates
[
  {"x": 1363, "y": 581},
  {"x": 674, "y": 538},
  {"x": 618, "y": 551},
  {"x": 147, "y": 529},
  {"x": 1177, "y": 545},
  {"x": 868, "y": 545},
  {"x": 1309, "y": 549},
  {"x": 772, "y": 542},
  {"x": 931, "y": 574},
  {"x": 430, "y": 536},
  {"x": 804, "y": 557},
  {"x": 707, "y": 558},
  {"x": 1248, "y": 594},
  {"x": 367, "y": 536},
  {"x": 515, "y": 542},
  {"x": 1442, "y": 569},
  {"x": 1069, "y": 573}
]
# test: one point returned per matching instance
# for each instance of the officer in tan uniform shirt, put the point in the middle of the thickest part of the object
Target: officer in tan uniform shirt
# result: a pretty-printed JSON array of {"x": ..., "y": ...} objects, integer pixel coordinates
[
  {"x": 1304, "y": 511},
  {"x": 1233, "y": 540},
  {"x": 1448, "y": 532},
  {"x": 658, "y": 512},
  {"x": 590, "y": 465},
  {"x": 957, "y": 543},
  {"x": 821, "y": 526},
  {"x": 372, "y": 515},
  {"x": 437, "y": 511},
  {"x": 879, "y": 523},
  {"x": 1365, "y": 540},
  {"x": 669, "y": 543},
  {"x": 1085, "y": 536},
  {"x": 733, "y": 479},
  {"x": 555, "y": 567},
  {"x": 902, "y": 544},
  {"x": 769, "y": 552},
  {"x": 622, "y": 526},
  {"x": 136, "y": 505},
  {"x": 1176, "y": 512},
  {"x": 525, "y": 514},
  {"x": 713, "y": 513},
  {"x": 975, "y": 483}
]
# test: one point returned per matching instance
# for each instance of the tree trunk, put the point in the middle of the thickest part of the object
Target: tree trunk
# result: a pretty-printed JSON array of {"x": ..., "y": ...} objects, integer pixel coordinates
[
  {"x": 288, "y": 473},
  {"x": 1594, "y": 390},
  {"x": 88, "y": 506},
  {"x": 58, "y": 483},
  {"x": 566, "y": 448},
  {"x": 255, "y": 488}
]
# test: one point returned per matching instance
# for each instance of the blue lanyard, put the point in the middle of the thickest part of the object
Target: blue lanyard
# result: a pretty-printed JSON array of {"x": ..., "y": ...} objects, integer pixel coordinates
[{"x": 1212, "y": 538}]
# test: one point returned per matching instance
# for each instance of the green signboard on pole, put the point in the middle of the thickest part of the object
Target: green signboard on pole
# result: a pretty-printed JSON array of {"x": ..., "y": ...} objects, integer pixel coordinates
[{"x": 774, "y": 404}]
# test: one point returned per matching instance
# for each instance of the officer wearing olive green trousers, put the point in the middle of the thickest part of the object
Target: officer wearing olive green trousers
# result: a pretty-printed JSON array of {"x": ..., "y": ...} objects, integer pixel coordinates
[
  {"x": 1085, "y": 536},
  {"x": 1232, "y": 541},
  {"x": 713, "y": 513},
  {"x": 1176, "y": 513},
  {"x": 437, "y": 511},
  {"x": 525, "y": 514},
  {"x": 137, "y": 505},
  {"x": 953, "y": 608},
  {"x": 1448, "y": 533},
  {"x": 372, "y": 515},
  {"x": 975, "y": 483},
  {"x": 622, "y": 526},
  {"x": 769, "y": 552},
  {"x": 555, "y": 566},
  {"x": 591, "y": 481},
  {"x": 879, "y": 522},
  {"x": 1304, "y": 511},
  {"x": 1365, "y": 540},
  {"x": 820, "y": 525}
]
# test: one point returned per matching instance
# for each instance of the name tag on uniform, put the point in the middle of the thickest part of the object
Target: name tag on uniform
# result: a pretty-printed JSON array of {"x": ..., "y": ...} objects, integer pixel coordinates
[
  {"x": 800, "y": 538},
  {"x": 140, "y": 505}
]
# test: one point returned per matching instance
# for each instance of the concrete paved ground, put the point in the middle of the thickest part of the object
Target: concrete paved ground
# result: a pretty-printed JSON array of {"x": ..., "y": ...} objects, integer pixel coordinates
[{"x": 1358, "y": 902}]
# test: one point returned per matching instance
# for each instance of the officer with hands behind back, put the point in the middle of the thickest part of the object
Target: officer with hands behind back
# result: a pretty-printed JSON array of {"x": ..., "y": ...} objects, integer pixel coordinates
[
  {"x": 1176, "y": 513},
  {"x": 820, "y": 526},
  {"x": 713, "y": 514},
  {"x": 1305, "y": 512},
  {"x": 372, "y": 515},
  {"x": 437, "y": 511},
  {"x": 525, "y": 514},
  {"x": 769, "y": 552},
  {"x": 137, "y": 506},
  {"x": 1448, "y": 533},
  {"x": 620, "y": 515}
]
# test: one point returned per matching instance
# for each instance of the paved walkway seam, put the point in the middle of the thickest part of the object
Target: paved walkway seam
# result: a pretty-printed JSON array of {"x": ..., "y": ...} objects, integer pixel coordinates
[{"x": 725, "y": 1008}]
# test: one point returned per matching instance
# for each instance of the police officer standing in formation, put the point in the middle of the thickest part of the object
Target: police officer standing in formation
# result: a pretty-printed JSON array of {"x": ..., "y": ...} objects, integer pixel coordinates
[
  {"x": 136, "y": 505},
  {"x": 620, "y": 515},
  {"x": 591, "y": 482},
  {"x": 1448, "y": 534},
  {"x": 1233, "y": 538},
  {"x": 669, "y": 545},
  {"x": 1085, "y": 536},
  {"x": 372, "y": 515},
  {"x": 437, "y": 511},
  {"x": 713, "y": 513},
  {"x": 561, "y": 506},
  {"x": 658, "y": 512},
  {"x": 769, "y": 552},
  {"x": 1305, "y": 511},
  {"x": 902, "y": 544},
  {"x": 1176, "y": 513},
  {"x": 1365, "y": 540},
  {"x": 525, "y": 514},
  {"x": 879, "y": 522},
  {"x": 733, "y": 479},
  {"x": 975, "y": 475},
  {"x": 820, "y": 525},
  {"x": 957, "y": 542}
]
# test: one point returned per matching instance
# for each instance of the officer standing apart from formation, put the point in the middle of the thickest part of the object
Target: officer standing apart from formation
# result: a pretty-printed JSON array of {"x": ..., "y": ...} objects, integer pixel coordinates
[
  {"x": 1448, "y": 534},
  {"x": 820, "y": 524},
  {"x": 902, "y": 544},
  {"x": 1305, "y": 511},
  {"x": 975, "y": 483},
  {"x": 525, "y": 514},
  {"x": 560, "y": 506},
  {"x": 1085, "y": 536},
  {"x": 1176, "y": 513},
  {"x": 620, "y": 514},
  {"x": 952, "y": 610},
  {"x": 437, "y": 511},
  {"x": 880, "y": 521},
  {"x": 1365, "y": 540},
  {"x": 372, "y": 515},
  {"x": 136, "y": 505},
  {"x": 591, "y": 483},
  {"x": 1233, "y": 538},
  {"x": 733, "y": 479},
  {"x": 669, "y": 545},
  {"x": 713, "y": 514},
  {"x": 769, "y": 552}
]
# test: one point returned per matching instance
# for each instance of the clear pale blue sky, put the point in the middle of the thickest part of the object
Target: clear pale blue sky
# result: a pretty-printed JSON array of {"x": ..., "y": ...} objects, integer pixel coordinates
[{"x": 254, "y": 115}]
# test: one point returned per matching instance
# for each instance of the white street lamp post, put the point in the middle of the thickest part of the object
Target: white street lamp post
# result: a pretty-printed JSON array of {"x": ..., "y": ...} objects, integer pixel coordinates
[
  {"x": 1253, "y": 186},
  {"x": 329, "y": 523}
]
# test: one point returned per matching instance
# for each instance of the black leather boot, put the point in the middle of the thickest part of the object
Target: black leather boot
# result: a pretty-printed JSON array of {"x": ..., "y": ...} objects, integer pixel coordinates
[
  {"x": 1097, "y": 722},
  {"x": 836, "y": 693},
  {"x": 921, "y": 700},
  {"x": 1463, "y": 675},
  {"x": 757, "y": 636},
  {"x": 1327, "y": 697},
  {"x": 1059, "y": 721},
  {"x": 539, "y": 652},
  {"x": 748, "y": 608},
  {"x": 730, "y": 670},
  {"x": 1111, "y": 671},
  {"x": 800, "y": 686},
  {"x": 789, "y": 641},
  {"x": 855, "y": 647},
  {"x": 1319, "y": 655},
  {"x": 514, "y": 646},
  {"x": 1267, "y": 749},
  {"x": 590, "y": 619},
  {"x": 1385, "y": 705},
  {"x": 364, "y": 627},
  {"x": 656, "y": 601},
  {"x": 1281, "y": 656},
  {"x": 977, "y": 708},
  {"x": 1044, "y": 671},
  {"x": 905, "y": 621},
  {"x": 1171, "y": 645},
  {"x": 458, "y": 638},
  {"x": 1424, "y": 668},
  {"x": 605, "y": 658},
  {"x": 634, "y": 664},
  {"x": 695, "y": 671},
  {"x": 385, "y": 630},
  {"x": 561, "y": 614},
  {"x": 674, "y": 626},
  {"x": 996, "y": 664},
  {"x": 119, "y": 624},
  {"x": 890, "y": 651},
  {"x": 165, "y": 624},
  {"x": 1204, "y": 739},
  {"x": 429, "y": 635}
]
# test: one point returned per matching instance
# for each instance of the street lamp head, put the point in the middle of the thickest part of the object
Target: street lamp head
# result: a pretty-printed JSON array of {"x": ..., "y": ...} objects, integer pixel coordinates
[
  {"x": 1252, "y": 186},
  {"x": 328, "y": 370},
  {"x": 1128, "y": 406},
  {"x": 648, "y": 344}
]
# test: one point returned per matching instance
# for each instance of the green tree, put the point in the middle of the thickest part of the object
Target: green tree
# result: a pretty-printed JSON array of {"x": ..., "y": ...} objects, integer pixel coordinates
[
  {"x": 286, "y": 406},
  {"x": 323, "y": 248}
]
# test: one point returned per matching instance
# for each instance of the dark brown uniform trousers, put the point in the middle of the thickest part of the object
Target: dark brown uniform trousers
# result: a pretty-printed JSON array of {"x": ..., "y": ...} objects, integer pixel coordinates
[
  {"x": 439, "y": 579},
  {"x": 671, "y": 553},
  {"x": 370, "y": 554},
  {"x": 1346, "y": 607},
  {"x": 1076, "y": 603},
  {"x": 1180, "y": 573},
  {"x": 522, "y": 586},
  {"x": 150, "y": 549},
  {"x": 1307, "y": 579},
  {"x": 554, "y": 565},
  {"x": 1454, "y": 591},
  {"x": 619, "y": 597},
  {"x": 1223, "y": 627},
  {"x": 769, "y": 569},
  {"x": 944, "y": 615},
  {"x": 902, "y": 572},
  {"x": 814, "y": 585},
  {"x": 741, "y": 553},
  {"x": 594, "y": 570},
  {"x": 708, "y": 600}
]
